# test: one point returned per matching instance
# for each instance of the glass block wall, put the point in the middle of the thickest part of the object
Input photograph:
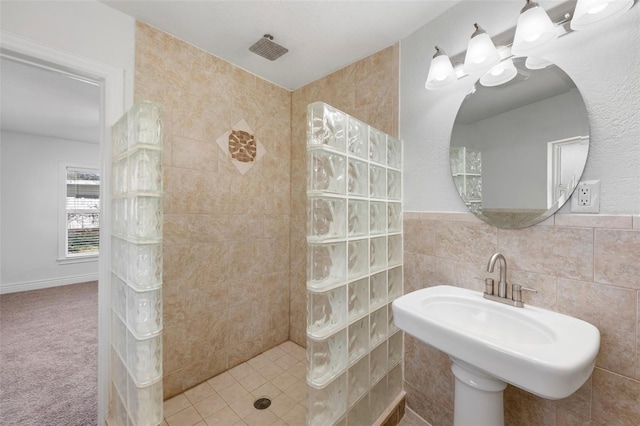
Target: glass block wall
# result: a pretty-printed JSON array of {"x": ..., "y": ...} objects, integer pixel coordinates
[
  {"x": 354, "y": 268},
  {"x": 136, "y": 269}
]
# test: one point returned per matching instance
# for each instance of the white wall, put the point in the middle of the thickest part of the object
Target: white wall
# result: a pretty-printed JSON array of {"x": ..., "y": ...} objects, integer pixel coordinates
[
  {"x": 604, "y": 63},
  {"x": 85, "y": 28},
  {"x": 30, "y": 179}
]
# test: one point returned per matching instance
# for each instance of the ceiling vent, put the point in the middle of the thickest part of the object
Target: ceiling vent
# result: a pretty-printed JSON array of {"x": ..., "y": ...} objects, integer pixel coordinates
[{"x": 267, "y": 48}]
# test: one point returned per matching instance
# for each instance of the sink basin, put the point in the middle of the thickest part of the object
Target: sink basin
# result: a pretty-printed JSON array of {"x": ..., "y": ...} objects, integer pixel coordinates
[{"x": 544, "y": 352}]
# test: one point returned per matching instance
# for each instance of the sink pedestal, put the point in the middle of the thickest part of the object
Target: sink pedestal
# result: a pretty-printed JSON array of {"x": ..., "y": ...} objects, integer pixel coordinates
[{"x": 478, "y": 396}]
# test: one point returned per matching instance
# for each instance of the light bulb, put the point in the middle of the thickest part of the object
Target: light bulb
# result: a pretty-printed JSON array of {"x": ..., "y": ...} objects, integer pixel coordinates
[
  {"x": 501, "y": 73},
  {"x": 590, "y": 12}
]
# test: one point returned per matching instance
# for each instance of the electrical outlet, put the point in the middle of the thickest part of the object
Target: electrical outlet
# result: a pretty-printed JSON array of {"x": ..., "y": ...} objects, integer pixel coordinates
[{"x": 586, "y": 197}]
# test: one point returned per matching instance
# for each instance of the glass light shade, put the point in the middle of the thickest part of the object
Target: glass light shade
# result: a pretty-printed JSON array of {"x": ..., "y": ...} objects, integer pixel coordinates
[
  {"x": 481, "y": 54},
  {"x": 441, "y": 72},
  {"x": 592, "y": 11},
  {"x": 502, "y": 73},
  {"x": 533, "y": 30},
  {"x": 534, "y": 63}
]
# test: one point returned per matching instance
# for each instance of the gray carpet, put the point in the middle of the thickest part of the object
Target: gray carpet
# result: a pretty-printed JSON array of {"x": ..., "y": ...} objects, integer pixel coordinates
[{"x": 48, "y": 356}]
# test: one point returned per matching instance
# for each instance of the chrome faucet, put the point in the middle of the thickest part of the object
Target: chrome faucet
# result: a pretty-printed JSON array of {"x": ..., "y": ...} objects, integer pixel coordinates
[
  {"x": 501, "y": 296},
  {"x": 502, "y": 284}
]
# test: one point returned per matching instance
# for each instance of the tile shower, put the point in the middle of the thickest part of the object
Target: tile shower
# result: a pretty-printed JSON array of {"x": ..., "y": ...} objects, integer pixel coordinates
[{"x": 354, "y": 268}]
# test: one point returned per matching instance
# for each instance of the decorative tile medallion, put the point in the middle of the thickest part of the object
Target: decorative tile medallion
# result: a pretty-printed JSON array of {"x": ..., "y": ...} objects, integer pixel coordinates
[{"x": 243, "y": 148}]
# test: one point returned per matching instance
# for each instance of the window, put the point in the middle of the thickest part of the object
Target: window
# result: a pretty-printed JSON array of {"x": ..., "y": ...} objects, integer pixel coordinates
[{"x": 82, "y": 212}]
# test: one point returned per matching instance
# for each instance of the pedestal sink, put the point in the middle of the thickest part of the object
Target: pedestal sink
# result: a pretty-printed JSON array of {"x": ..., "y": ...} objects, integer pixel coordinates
[{"x": 492, "y": 344}]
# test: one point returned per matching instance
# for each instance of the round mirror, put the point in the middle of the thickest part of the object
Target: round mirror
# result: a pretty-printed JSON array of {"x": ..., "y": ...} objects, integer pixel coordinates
[{"x": 518, "y": 148}]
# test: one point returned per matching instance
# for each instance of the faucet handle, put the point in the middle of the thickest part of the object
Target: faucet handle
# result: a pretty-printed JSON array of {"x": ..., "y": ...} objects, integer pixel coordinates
[{"x": 516, "y": 292}]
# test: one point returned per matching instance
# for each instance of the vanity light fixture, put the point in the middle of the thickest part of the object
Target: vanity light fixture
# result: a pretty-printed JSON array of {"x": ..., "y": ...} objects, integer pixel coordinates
[
  {"x": 441, "y": 72},
  {"x": 592, "y": 11},
  {"x": 481, "y": 52},
  {"x": 534, "y": 29},
  {"x": 501, "y": 73}
]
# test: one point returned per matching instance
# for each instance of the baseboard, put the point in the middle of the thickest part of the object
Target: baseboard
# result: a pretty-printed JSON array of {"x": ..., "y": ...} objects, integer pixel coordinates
[{"x": 40, "y": 284}]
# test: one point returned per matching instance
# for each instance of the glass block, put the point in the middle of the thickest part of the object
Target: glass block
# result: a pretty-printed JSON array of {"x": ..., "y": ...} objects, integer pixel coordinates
[
  {"x": 144, "y": 359},
  {"x": 474, "y": 187},
  {"x": 145, "y": 171},
  {"x": 120, "y": 408},
  {"x": 377, "y": 217},
  {"x": 357, "y": 138},
  {"x": 394, "y": 185},
  {"x": 342, "y": 422},
  {"x": 379, "y": 399},
  {"x": 378, "y": 362},
  {"x": 473, "y": 161},
  {"x": 118, "y": 336},
  {"x": 326, "y": 358},
  {"x": 392, "y": 327},
  {"x": 377, "y": 146},
  {"x": 121, "y": 176},
  {"x": 118, "y": 296},
  {"x": 394, "y": 217},
  {"x": 326, "y": 311},
  {"x": 394, "y": 152},
  {"x": 120, "y": 136},
  {"x": 378, "y": 253},
  {"x": 144, "y": 403},
  {"x": 145, "y": 218},
  {"x": 119, "y": 218},
  {"x": 358, "y": 298},
  {"x": 326, "y": 126},
  {"x": 119, "y": 374},
  {"x": 378, "y": 325},
  {"x": 326, "y": 172},
  {"x": 144, "y": 266},
  {"x": 395, "y": 348},
  {"x": 358, "y": 258},
  {"x": 394, "y": 277},
  {"x": 358, "y": 339},
  {"x": 144, "y": 124},
  {"x": 395, "y": 250},
  {"x": 358, "y": 218},
  {"x": 326, "y": 218},
  {"x": 144, "y": 312},
  {"x": 377, "y": 182},
  {"x": 456, "y": 156},
  {"x": 327, "y": 404},
  {"x": 326, "y": 264},
  {"x": 358, "y": 179},
  {"x": 358, "y": 380},
  {"x": 360, "y": 414},
  {"x": 394, "y": 382},
  {"x": 378, "y": 290}
]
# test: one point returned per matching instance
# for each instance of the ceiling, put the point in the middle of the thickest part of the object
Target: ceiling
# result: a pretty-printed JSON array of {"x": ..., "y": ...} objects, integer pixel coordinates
[
  {"x": 48, "y": 103},
  {"x": 322, "y": 36}
]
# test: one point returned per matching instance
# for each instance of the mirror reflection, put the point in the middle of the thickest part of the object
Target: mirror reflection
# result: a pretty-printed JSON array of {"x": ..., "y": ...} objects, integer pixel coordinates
[{"x": 518, "y": 149}]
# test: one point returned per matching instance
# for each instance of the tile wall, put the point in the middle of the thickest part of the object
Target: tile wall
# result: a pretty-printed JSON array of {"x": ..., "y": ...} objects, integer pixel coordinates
[
  {"x": 586, "y": 266},
  {"x": 226, "y": 235},
  {"x": 366, "y": 90}
]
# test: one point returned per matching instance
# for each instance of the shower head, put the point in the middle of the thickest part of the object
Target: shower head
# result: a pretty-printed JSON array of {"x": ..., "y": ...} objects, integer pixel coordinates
[{"x": 267, "y": 48}]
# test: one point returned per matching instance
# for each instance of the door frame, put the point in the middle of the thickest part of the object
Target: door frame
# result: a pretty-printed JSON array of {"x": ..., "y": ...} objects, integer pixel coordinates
[{"x": 112, "y": 106}]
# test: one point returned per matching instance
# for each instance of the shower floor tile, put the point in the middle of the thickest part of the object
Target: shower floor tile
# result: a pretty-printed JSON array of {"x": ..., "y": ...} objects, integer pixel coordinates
[{"x": 227, "y": 399}]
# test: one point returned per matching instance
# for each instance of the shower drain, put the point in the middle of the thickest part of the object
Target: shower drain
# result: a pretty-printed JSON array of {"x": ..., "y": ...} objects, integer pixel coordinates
[{"x": 262, "y": 403}]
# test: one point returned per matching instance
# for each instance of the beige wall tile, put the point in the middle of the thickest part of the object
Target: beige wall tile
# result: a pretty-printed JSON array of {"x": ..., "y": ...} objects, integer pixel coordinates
[
  {"x": 593, "y": 303},
  {"x": 194, "y": 154},
  {"x": 616, "y": 257},
  {"x": 594, "y": 221},
  {"x": 522, "y": 408},
  {"x": 638, "y": 340},
  {"x": 469, "y": 241},
  {"x": 420, "y": 236},
  {"x": 566, "y": 417},
  {"x": 550, "y": 250},
  {"x": 636, "y": 222},
  {"x": 615, "y": 399},
  {"x": 546, "y": 286}
]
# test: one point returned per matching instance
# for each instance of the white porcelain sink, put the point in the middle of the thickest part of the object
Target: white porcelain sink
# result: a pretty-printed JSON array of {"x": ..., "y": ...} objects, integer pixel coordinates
[{"x": 544, "y": 352}]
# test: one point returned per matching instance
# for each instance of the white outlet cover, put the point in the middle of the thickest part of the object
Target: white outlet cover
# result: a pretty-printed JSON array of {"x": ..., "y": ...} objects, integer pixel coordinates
[{"x": 594, "y": 207}]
